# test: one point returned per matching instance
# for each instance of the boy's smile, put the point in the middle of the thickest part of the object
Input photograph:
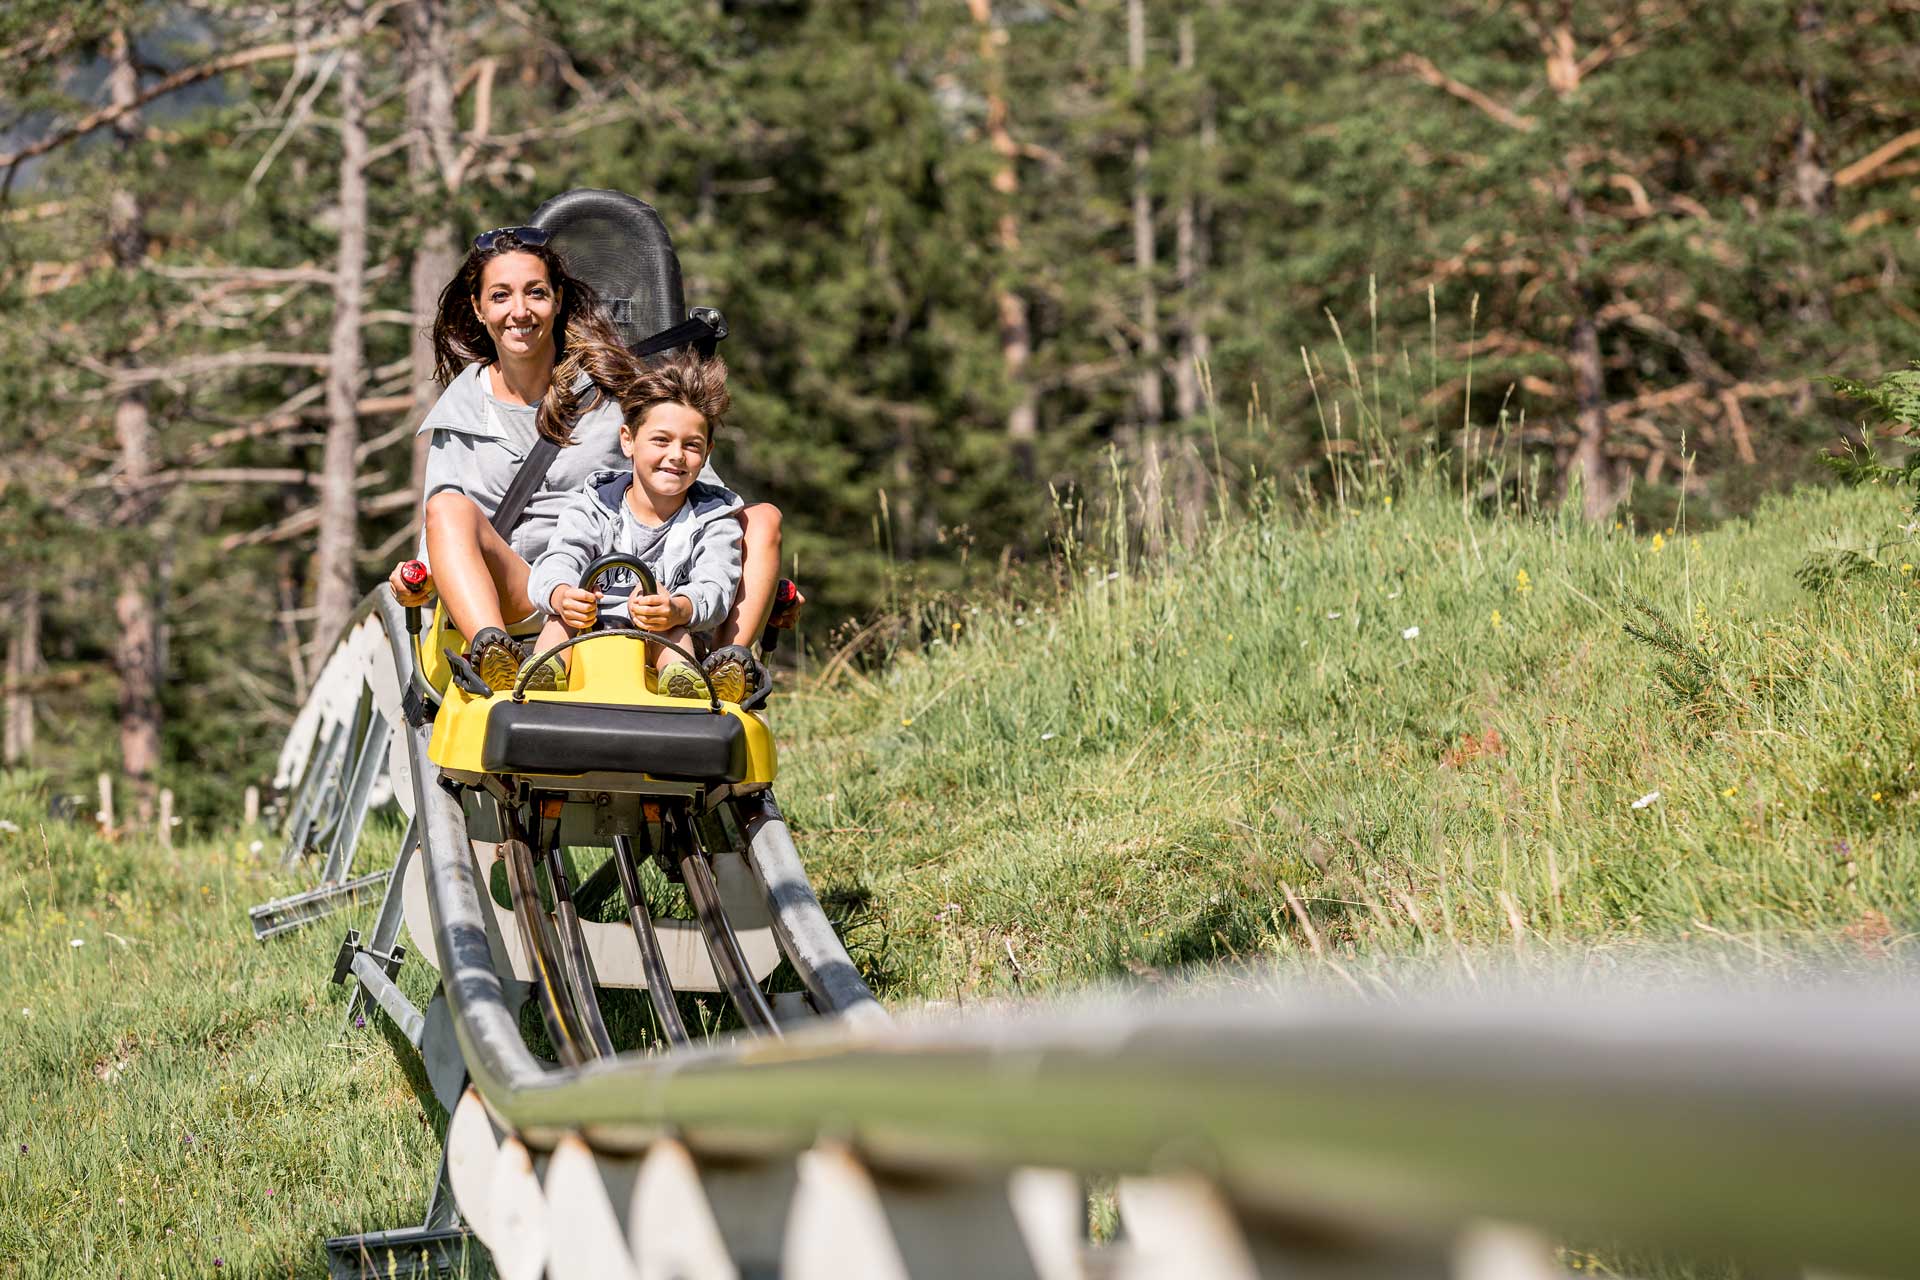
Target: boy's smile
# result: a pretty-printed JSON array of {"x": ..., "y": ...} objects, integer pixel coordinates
[{"x": 668, "y": 448}]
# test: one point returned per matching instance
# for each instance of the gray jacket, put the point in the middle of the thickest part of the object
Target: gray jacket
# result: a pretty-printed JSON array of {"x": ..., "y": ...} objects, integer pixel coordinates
[
  {"x": 478, "y": 442},
  {"x": 695, "y": 554}
]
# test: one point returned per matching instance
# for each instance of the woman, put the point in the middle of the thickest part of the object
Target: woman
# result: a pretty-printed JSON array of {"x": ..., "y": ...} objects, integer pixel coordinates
[{"x": 525, "y": 352}]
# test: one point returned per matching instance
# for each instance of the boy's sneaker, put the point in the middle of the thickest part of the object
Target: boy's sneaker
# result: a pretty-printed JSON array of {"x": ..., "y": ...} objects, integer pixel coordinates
[
  {"x": 681, "y": 680},
  {"x": 734, "y": 671},
  {"x": 497, "y": 657},
  {"x": 545, "y": 678}
]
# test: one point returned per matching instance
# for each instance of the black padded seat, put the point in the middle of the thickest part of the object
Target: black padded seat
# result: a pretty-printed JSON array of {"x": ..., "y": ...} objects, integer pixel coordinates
[{"x": 568, "y": 738}]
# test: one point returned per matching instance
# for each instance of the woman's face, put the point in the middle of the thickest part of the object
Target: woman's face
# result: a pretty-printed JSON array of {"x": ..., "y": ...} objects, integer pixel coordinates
[{"x": 517, "y": 304}]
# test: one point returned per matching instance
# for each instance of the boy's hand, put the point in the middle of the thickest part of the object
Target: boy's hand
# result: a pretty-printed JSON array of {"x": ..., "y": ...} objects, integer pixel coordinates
[
  {"x": 660, "y": 613},
  {"x": 573, "y": 606}
]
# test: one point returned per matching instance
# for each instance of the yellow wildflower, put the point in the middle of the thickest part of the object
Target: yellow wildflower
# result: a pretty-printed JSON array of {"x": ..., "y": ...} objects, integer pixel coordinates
[
  {"x": 1731, "y": 791},
  {"x": 1658, "y": 542},
  {"x": 1522, "y": 583},
  {"x": 1496, "y": 619}
]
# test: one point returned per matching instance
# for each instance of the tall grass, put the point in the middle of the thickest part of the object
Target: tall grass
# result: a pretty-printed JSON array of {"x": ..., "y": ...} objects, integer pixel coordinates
[
  {"x": 1420, "y": 719},
  {"x": 1407, "y": 723},
  {"x": 179, "y": 1099}
]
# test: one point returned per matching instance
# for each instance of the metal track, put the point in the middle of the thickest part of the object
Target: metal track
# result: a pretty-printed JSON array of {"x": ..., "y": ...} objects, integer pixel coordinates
[{"x": 1242, "y": 1134}]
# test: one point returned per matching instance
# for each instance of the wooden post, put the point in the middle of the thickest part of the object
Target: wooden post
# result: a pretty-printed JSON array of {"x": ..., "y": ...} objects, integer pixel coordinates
[
  {"x": 250, "y": 807},
  {"x": 104, "y": 816},
  {"x": 166, "y": 817}
]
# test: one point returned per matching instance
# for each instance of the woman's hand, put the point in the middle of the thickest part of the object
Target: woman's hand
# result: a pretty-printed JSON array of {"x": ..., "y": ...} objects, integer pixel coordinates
[
  {"x": 660, "y": 613},
  {"x": 786, "y": 616},
  {"x": 411, "y": 597},
  {"x": 574, "y": 606}
]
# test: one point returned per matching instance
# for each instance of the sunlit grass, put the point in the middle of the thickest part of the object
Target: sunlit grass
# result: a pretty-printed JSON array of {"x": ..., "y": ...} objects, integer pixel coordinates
[
  {"x": 179, "y": 1099},
  {"x": 1405, "y": 725},
  {"x": 1390, "y": 732}
]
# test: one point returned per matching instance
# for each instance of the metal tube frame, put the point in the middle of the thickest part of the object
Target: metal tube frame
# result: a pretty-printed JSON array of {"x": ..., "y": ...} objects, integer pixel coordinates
[{"x": 652, "y": 960}]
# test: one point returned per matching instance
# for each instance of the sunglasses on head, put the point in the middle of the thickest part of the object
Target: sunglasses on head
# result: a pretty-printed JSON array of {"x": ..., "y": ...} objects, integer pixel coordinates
[{"x": 533, "y": 237}]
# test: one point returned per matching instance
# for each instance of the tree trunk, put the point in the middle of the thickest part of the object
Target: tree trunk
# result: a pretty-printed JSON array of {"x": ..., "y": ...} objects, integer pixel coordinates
[
  {"x": 1599, "y": 493},
  {"x": 138, "y": 608},
  {"x": 1151, "y": 405},
  {"x": 1191, "y": 245},
  {"x": 334, "y": 592},
  {"x": 1812, "y": 190},
  {"x": 1016, "y": 336},
  {"x": 1812, "y": 179},
  {"x": 430, "y": 120},
  {"x": 23, "y": 663}
]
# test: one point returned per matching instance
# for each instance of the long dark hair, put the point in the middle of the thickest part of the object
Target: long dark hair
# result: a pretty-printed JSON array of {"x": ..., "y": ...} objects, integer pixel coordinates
[{"x": 584, "y": 341}]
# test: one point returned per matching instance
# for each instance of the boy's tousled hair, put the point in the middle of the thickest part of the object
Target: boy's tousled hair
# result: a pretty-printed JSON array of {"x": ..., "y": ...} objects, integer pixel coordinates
[{"x": 699, "y": 383}]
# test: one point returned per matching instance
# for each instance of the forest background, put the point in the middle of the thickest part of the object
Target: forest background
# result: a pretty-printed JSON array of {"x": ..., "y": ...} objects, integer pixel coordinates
[{"x": 985, "y": 264}]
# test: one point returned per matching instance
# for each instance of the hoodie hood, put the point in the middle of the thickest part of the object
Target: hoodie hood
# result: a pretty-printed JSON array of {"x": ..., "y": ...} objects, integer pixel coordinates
[{"x": 609, "y": 487}]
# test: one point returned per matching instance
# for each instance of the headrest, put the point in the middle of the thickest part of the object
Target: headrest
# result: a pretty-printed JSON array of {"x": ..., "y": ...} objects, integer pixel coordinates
[{"x": 618, "y": 245}]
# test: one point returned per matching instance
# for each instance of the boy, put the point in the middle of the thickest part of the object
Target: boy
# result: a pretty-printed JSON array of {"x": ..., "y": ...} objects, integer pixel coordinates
[{"x": 682, "y": 529}]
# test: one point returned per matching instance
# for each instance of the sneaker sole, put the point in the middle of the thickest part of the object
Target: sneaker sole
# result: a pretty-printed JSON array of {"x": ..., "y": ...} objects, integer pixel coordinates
[
  {"x": 682, "y": 684},
  {"x": 729, "y": 681},
  {"x": 499, "y": 668}
]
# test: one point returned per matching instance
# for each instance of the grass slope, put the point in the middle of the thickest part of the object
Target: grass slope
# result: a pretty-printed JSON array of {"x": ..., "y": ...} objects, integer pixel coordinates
[
  {"x": 1426, "y": 723},
  {"x": 1149, "y": 769}
]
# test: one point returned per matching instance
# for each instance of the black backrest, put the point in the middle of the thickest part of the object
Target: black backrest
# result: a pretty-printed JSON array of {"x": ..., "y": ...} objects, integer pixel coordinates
[{"x": 620, "y": 246}]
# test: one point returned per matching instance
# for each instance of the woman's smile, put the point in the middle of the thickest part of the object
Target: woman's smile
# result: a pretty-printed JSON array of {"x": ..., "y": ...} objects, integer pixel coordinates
[{"x": 517, "y": 305}]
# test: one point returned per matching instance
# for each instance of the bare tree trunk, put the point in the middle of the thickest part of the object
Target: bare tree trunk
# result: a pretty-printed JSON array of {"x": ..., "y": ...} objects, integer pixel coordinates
[
  {"x": 1191, "y": 246},
  {"x": 339, "y": 511},
  {"x": 1016, "y": 335},
  {"x": 1600, "y": 494},
  {"x": 137, "y": 608},
  {"x": 1812, "y": 183},
  {"x": 430, "y": 120},
  {"x": 1152, "y": 407},
  {"x": 23, "y": 663},
  {"x": 1812, "y": 179}
]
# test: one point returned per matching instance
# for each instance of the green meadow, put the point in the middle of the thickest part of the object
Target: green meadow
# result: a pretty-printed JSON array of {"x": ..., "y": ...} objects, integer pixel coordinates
[{"x": 1402, "y": 729}]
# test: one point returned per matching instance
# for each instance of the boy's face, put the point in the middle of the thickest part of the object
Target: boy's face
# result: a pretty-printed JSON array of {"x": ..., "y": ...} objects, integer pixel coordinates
[{"x": 668, "y": 447}]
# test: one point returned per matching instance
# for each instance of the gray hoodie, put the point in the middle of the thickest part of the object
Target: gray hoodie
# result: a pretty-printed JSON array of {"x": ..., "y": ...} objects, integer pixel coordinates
[
  {"x": 695, "y": 554},
  {"x": 478, "y": 441}
]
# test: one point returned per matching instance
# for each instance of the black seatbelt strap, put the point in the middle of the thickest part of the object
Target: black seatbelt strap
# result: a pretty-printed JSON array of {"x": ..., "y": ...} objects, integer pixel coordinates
[
  {"x": 533, "y": 470},
  {"x": 701, "y": 331}
]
